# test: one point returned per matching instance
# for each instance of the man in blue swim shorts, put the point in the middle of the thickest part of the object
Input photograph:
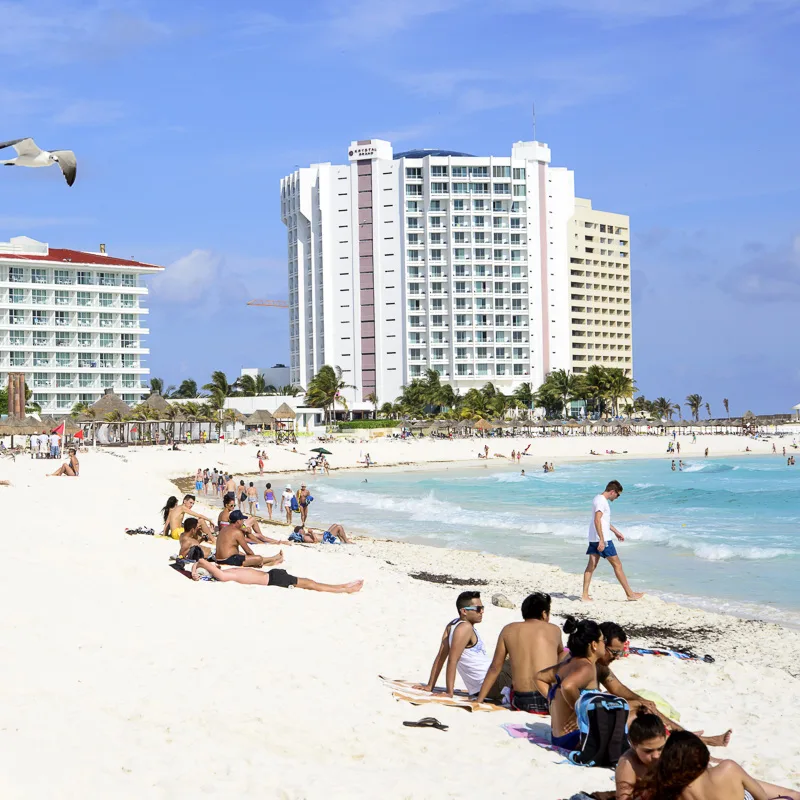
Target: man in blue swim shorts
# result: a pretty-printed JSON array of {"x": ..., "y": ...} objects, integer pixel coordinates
[{"x": 600, "y": 543}]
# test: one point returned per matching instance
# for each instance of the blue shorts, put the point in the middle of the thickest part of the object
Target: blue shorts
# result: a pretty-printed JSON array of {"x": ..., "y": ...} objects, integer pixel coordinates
[
  {"x": 198, "y": 486},
  {"x": 569, "y": 741},
  {"x": 607, "y": 552}
]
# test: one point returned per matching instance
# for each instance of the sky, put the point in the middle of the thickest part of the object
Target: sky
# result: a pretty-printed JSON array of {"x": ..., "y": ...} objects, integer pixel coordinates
[{"x": 185, "y": 115}]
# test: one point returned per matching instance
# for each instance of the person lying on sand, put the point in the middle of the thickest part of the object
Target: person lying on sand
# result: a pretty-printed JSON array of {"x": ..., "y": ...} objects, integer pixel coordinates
[
  {"x": 615, "y": 638},
  {"x": 232, "y": 538},
  {"x": 531, "y": 645},
  {"x": 465, "y": 653},
  {"x": 655, "y": 768},
  {"x": 568, "y": 679},
  {"x": 192, "y": 539},
  {"x": 71, "y": 467},
  {"x": 252, "y": 529},
  {"x": 275, "y": 577},
  {"x": 174, "y": 513},
  {"x": 316, "y": 536}
]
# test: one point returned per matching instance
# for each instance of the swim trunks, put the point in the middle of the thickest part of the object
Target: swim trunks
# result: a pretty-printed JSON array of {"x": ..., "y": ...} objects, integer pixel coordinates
[
  {"x": 607, "y": 552},
  {"x": 198, "y": 485},
  {"x": 532, "y": 702},
  {"x": 176, "y": 533},
  {"x": 569, "y": 741},
  {"x": 280, "y": 577},
  {"x": 236, "y": 560}
]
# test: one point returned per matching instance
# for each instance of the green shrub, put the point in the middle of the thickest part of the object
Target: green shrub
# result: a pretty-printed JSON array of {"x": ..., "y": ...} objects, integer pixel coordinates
[{"x": 367, "y": 423}]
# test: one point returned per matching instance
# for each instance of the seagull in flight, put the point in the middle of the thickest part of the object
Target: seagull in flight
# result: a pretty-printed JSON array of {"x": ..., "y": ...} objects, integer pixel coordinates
[{"x": 29, "y": 154}]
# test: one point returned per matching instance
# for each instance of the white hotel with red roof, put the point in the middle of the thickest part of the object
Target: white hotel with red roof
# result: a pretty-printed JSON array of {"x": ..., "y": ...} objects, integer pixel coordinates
[{"x": 73, "y": 323}]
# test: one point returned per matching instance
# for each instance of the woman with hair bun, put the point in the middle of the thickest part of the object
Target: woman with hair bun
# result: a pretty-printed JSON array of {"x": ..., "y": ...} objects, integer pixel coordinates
[{"x": 569, "y": 679}]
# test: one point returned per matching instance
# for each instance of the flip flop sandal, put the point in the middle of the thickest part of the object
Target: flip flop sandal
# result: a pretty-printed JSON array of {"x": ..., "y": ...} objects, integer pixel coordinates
[{"x": 427, "y": 722}]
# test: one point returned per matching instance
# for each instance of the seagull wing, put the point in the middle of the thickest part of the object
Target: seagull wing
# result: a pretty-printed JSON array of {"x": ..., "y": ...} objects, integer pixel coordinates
[
  {"x": 24, "y": 147},
  {"x": 68, "y": 164}
]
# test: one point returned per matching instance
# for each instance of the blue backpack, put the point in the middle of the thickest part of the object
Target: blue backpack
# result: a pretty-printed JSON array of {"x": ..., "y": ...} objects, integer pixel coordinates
[
  {"x": 294, "y": 505},
  {"x": 603, "y": 726}
]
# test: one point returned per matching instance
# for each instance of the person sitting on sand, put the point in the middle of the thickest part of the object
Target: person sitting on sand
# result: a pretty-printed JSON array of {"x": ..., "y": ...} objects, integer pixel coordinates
[
  {"x": 70, "y": 468},
  {"x": 232, "y": 539},
  {"x": 275, "y": 577},
  {"x": 174, "y": 514},
  {"x": 192, "y": 547},
  {"x": 570, "y": 678},
  {"x": 615, "y": 637},
  {"x": 316, "y": 536},
  {"x": 252, "y": 529},
  {"x": 465, "y": 653},
  {"x": 680, "y": 770},
  {"x": 531, "y": 645}
]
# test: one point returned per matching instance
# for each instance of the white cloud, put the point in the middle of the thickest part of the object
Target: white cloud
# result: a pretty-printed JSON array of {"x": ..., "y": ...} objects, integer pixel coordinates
[{"x": 190, "y": 278}]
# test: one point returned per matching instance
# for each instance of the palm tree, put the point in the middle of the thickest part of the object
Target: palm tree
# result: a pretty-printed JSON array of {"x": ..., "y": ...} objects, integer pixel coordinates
[
  {"x": 727, "y": 410},
  {"x": 219, "y": 388},
  {"x": 186, "y": 390},
  {"x": 82, "y": 409},
  {"x": 694, "y": 403},
  {"x": 524, "y": 395},
  {"x": 446, "y": 397},
  {"x": 157, "y": 385},
  {"x": 564, "y": 382},
  {"x": 387, "y": 409},
  {"x": 246, "y": 386},
  {"x": 663, "y": 408},
  {"x": 325, "y": 389},
  {"x": 618, "y": 385},
  {"x": 595, "y": 385},
  {"x": 262, "y": 387},
  {"x": 708, "y": 410},
  {"x": 289, "y": 390},
  {"x": 372, "y": 397}
]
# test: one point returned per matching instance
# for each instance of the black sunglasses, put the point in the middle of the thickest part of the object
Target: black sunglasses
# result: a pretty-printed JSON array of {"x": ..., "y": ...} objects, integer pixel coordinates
[{"x": 479, "y": 609}]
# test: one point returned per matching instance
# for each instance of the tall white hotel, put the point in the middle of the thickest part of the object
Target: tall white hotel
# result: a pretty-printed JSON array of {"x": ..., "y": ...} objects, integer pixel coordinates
[
  {"x": 72, "y": 323},
  {"x": 482, "y": 268}
]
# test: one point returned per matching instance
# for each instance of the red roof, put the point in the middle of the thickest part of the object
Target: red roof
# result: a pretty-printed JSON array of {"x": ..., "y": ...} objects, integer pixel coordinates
[{"x": 78, "y": 257}]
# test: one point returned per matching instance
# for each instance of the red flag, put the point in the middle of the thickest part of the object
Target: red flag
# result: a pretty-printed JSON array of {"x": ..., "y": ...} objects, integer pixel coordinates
[
  {"x": 134, "y": 429},
  {"x": 78, "y": 435},
  {"x": 59, "y": 430}
]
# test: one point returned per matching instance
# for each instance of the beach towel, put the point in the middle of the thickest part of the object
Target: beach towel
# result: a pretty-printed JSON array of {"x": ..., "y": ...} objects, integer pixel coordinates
[
  {"x": 180, "y": 567},
  {"x": 404, "y": 690},
  {"x": 648, "y": 651},
  {"x": 530, "y": 733},
  {"x": 661, "y": 704},
  {"x": 141, "y": 530}
]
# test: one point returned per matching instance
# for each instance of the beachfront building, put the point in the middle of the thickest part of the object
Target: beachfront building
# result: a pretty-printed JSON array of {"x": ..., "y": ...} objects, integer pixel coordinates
[
  {"x": 600, "y": 289},
  {"x": 73, "y": 323},
  {"x": 436, "y": 259}
]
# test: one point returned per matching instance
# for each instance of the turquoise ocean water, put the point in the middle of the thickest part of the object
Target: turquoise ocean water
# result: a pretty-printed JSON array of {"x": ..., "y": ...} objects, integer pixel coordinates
[{"x": 721, "y": 534}]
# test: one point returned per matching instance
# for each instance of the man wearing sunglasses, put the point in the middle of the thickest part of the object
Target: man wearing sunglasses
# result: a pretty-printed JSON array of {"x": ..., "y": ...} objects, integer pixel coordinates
[
  {"x": 465, "y": 652},
  {"x": 615, "y": 638}
]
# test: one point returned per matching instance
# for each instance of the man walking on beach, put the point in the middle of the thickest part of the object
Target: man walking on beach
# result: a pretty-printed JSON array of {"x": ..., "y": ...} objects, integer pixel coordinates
[{"x": 600, "y": 544}]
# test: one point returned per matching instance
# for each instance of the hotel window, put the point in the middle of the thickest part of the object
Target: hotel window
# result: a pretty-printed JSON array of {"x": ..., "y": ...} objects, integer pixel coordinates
[
  {"x": 411, "y": 205},
  {"x": 519, "y": 190},
  {"x": 413, "y": 190},
  {"x": 461, "y": 336},
  {"x": 106, "y": 340},
  {"x": 15, "y": 275},
  {"x": 84, "y": 319},
  {"x": 501, "y": 172},
  {"x": 460, "y": 188},
  {"x": 462, "y": 320},
  {"x": 107, "y": 360},
  {"x": 479, "y": 221},
  {"x": 481, "y": 319},
  {"x": 479, "y": 205},
  {"x": 458, "y": 205},
  {"x": 38, "y": 276},
  {"x": 458, "y": 172},
  {"x": 436, "y": 238},
  {"x": 460, "y": 237},
  {"x": 516, "y": 255},
  {"x": 517, "y": 336},
  {"x": 17, "y": 359},
  {"x": 41, "y": 359},
  {"x": 439, "y": 188},
  {"x": 83, "y": 298},
  {"x": 413, "y": 238},
  {"x": 438, "y": 172},
  {"x": 460, "y": 287},
  {"x": 63, "y": 379},
  {"x": 462, "y": 369},
  {"x": 64, "y": 401},
  {"x": 461, "y": 352},
  {"x": 39, "y": 318},
  {"x": 413, "y": 172},
  {"x": 436, "y": 255},
  {"x": 516, "y": 222},
  {"x": 127, "y": 321},
  {"x": 106, "y": 299},
  {"x": 413, "y": 305},
  {"x": 459, "y": 253},
  {"x": 415, "y": 371},
  {"x": 39, "y": 296},
  {"x": 481, "y": 352},
  {"x": 437, "y": 320},
  {"x": 86, "y": 379},
  {"x": 16, "y": 295},
  {"x": 127, "y": 300},
  {"x": 63, "y": 339},
  {"x": 498, "y": 205},
  {"x": 40, "y": 339},
  {"x": 436, "y": 205},
  {"x": 517, "y": 207},
  {"x": 107, "y": 279},
  {"x": 501, "y": 188},
  {"x": 480, "y": 253},
  {"x": 519, "y": 173},
  {"x": 16, "y": 338},
  {"x": 480, "y": 270},
  {"x": 106, "y": 320},
  {"x": 518, "y": 369},
  {"x": 460, "y": 222},
  {"x": 84, "y": 339},
  {"x": 61, "y": 297},
  {"x": 479, "y": 188},
  {"x": 62, "y": 318},
  {"x": 435, "y": 222},
  {"x": 85, "y": 278},
  {"x": 460, "y": 270},
  {"x": 479, "y": 172},
  {"x": 461, "y": 303},
  {"x": 128, "y": 279},
  {"x": 41, "y": 379},
  {"x": 128, "y": 361}
]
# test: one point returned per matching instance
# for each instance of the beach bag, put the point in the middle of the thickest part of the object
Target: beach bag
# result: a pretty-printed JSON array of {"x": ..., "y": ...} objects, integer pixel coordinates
[
  {"x": 603, "y": 725},
  {"x": 294, "y": 505},
  {"x": 309, "y": 499}
]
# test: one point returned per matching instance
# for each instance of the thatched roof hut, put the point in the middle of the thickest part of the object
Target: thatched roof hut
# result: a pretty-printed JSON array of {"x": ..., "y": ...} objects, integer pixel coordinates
[
  {"x": 483, "y": 425},
  {"x": 158, "y": 403},
  {"x": 15, "y": 426},
  {"x": 108, "y": 403},
  {"x": 284, "y": 411},
  {"x": 262, "y": 417}
]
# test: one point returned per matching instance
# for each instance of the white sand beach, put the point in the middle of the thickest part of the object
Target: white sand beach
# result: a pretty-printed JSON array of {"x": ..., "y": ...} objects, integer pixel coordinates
[{"x": 122, "y": 679}]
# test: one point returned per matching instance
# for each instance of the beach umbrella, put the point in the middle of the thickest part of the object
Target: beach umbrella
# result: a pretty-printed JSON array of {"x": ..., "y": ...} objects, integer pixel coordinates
[
  {"x": 110, "y": 402},
  {"x": 322, "y": 451},
  {"x": 483, "y": 425}
]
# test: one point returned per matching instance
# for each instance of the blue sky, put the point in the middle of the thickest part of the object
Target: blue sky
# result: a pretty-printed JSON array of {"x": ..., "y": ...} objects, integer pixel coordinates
[{"x": 184, "y": 116}]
